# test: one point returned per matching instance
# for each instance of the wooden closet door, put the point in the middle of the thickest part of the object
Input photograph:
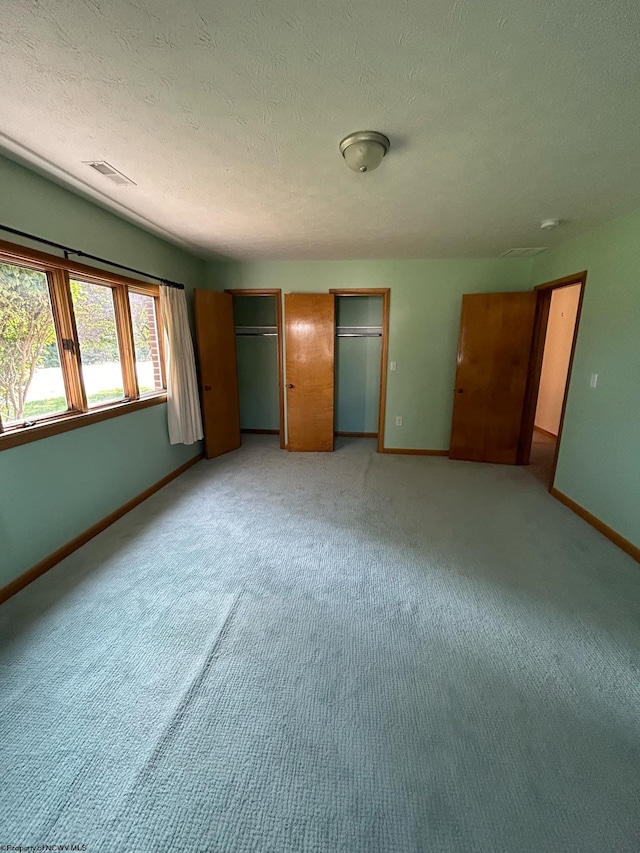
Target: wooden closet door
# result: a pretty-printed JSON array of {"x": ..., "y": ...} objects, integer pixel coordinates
[
  {"x": 216, "y": 339},
  {"x": 310, "y": 345},
  {"x": 494, "y": 350}
]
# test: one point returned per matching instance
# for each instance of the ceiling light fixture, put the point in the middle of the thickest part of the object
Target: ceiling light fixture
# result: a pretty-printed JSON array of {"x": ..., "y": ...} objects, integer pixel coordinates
[
  {"x": 363, "y": 151},
  {"x": 549, "y": 224}
]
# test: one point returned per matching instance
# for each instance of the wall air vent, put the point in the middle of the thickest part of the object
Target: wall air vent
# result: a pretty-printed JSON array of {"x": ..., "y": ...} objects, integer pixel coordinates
[
  {"x": 524, "y": 253},
  {"x": 109, "y": 172}
]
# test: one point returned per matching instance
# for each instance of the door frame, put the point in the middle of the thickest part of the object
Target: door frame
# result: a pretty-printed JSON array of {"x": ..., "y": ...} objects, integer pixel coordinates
[
  {"x": 277, "y": 292},
  {"x": 544, "y": 292},
  {"x": 385, "y": 292}
]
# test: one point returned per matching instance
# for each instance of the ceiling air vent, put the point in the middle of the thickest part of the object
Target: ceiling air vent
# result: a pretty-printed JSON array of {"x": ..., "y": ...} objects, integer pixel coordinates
[
  {"x": 524, "y": 253},
  {"x": 109, "y": 172}
]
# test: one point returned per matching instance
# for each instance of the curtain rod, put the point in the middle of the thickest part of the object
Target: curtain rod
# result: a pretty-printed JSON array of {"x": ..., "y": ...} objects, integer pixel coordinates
[{"x": 69, "y": 251}]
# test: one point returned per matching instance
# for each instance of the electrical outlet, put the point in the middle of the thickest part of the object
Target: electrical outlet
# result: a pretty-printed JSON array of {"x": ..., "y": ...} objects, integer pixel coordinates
[
  {"x": 392, "y": 365},
  {"x": 398, "y": 420},
  {"x": 594, "y": 380}
]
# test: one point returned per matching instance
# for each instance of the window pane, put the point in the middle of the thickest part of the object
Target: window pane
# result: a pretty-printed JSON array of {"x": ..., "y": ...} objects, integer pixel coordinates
[
  {"x": 98, "y": 338},
  {"x": 146, "y": 342},
  {"x": 31, "y": 381}
]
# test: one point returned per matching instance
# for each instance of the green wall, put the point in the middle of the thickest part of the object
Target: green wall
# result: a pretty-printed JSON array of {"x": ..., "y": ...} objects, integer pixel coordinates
[
  {"x": 599, "y": 461},
  {"x": 53, "y": 489},
  {"x": 423, "y": 324}
]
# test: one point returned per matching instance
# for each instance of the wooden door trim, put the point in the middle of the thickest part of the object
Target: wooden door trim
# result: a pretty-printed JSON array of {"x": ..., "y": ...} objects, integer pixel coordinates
[
  {"x": 277, "y": 292},
  {"x": 359, "y": 291},
  {"x": 566, "y": 281},
  {"x": 600, "y": 526},
  {"x": 385, "y": 292},
  {"x": 253, "y": 291},
  {"x": 544, "y": 292}
]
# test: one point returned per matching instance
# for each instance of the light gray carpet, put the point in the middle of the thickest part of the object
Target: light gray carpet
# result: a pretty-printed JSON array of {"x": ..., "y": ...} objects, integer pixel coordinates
[{"x": 344, "y": 653}]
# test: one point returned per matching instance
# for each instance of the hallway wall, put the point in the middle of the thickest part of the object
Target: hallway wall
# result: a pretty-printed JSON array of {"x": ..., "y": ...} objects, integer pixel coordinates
[{"x": 557, "y": 352}]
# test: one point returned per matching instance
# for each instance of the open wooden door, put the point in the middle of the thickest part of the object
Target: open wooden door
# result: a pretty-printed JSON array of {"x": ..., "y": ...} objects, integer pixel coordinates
[
  {"x": 491, "y": 380},
  {"x": 310, "y": 345},
  {"x": 218, "y": 372}
]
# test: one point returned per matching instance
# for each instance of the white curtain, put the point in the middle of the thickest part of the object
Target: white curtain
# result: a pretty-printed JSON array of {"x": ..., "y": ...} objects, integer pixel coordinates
[{"x": 183, "y": 402}]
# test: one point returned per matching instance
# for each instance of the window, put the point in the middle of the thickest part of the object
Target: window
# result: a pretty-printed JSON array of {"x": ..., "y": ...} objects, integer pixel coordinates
[
  {"x": 95, "y": 316},
  {"x": 146, "y": 342},
  {"x": 76, "y": 345},
  {"x": 31, "y": 380}
]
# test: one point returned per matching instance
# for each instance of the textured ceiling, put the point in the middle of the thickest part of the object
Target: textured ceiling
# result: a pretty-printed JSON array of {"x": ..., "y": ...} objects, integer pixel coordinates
[{"x": 228, "y": 113}]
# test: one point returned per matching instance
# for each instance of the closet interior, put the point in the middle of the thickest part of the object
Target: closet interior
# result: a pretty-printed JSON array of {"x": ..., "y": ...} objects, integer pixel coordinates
[
  {"x": 358, "y": 355},
  {"x": 256, "y": 326}
]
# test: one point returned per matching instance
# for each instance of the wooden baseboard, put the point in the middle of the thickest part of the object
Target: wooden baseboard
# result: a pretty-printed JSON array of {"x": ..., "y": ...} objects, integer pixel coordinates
[
  {"x": 356, "y": 434},
  {"x": 409, "y": 451},
  {"x": 262, "y": 431},
  {"x": 49, "y": 562},
  {"x": 600, "y": 526},
  {"x": 546, "y": 432}
]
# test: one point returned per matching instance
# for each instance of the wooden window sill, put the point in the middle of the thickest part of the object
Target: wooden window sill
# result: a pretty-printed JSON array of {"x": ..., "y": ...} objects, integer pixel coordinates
[{"x": 23, "y": 435}]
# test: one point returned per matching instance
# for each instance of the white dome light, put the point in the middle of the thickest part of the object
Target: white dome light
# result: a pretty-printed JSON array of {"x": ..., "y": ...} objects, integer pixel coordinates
[{"x": 363, "y": 151}]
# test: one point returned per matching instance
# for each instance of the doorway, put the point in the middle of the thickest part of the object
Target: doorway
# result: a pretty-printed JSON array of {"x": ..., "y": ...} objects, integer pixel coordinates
[
  {"x": 499, "y": 368},
  {"x": 362, "y": 328},
  {"x": 357, "y": 371},
  {"x": 563, "y": 312},
  {"x": 559, "y": 304},
  {"x": 257, "y": 320}
]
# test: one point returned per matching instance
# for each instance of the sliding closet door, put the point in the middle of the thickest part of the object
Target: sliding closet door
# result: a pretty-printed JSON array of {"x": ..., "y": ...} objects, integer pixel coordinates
[
  {"x": 310, "y": 341},
  {"x": 218, "y": 372}
]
